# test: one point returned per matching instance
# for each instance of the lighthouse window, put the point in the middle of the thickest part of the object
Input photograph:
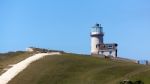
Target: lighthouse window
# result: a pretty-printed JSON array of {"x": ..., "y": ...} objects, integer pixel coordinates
[
  {"x": 110, "y": 46},
  {"x": 95, "y": 30},
  {"x": 97, "y": 46},
  {"x": 110, "y": 52}
]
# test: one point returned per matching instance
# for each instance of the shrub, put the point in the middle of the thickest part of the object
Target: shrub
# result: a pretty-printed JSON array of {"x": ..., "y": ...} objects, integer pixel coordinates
[{"x": 131, "y": 82}]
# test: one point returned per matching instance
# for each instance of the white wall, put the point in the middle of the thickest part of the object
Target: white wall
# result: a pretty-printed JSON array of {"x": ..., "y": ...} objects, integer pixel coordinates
[
  {"x": 107, "y": 53},
  {"x": 94, "y": 42},
  {"x": 29, "y": 49}
]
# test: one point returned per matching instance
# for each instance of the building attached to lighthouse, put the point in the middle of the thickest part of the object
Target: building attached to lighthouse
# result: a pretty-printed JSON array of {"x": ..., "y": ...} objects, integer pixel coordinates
[{"x": 98, "y": 47}]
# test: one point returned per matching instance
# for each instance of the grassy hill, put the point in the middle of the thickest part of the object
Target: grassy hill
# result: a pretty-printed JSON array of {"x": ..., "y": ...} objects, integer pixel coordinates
[
  {"x": 11, "y": 58},
  {"x": 80, "y": 69}
]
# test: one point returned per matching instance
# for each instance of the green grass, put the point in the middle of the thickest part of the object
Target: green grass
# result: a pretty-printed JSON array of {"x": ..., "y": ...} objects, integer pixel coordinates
[
  {"x": 12, "y": 58},
  {"x": 77, "y": 69}
]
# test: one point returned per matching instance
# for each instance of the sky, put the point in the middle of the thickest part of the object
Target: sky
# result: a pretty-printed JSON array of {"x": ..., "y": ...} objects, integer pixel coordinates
[{"x": 66, "y": 25}]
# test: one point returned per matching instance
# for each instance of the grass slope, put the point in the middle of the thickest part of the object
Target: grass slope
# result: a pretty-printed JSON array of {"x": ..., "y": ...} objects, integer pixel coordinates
[
  {"x": 12, "y": 58},
  {"x": 77, "y": 69}
]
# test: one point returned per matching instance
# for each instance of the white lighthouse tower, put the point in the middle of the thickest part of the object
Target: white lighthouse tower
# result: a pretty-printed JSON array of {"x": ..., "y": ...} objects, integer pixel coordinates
[{"x": 96, "y": 38}]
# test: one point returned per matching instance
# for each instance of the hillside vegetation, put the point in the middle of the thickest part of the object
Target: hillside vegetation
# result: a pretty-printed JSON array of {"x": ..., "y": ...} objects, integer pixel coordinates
[
  {"x": 10, "y": 58},
  {"x": 80, "y": 69}
]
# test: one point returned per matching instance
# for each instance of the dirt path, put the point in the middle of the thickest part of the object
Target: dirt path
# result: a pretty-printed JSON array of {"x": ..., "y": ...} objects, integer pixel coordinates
[{"x": 17, "y": 68}]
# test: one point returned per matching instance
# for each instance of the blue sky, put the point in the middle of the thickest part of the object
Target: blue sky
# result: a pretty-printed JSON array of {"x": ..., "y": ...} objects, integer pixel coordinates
[{"x": 66, "y": 24}]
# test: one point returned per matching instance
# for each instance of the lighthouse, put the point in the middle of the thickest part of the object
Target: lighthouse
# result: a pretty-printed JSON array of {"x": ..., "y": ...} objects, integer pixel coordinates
[
  {"x": 98, "y": 47},
  {"x": 96, "y": 38}
]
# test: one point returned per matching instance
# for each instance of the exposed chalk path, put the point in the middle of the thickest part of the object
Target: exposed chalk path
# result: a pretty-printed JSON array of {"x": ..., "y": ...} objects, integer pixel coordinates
[{"x": 17, "y": 68}]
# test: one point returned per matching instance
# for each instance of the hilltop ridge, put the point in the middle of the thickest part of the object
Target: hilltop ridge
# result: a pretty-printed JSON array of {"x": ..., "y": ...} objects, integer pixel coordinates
[{"x": 81, "y": 69}]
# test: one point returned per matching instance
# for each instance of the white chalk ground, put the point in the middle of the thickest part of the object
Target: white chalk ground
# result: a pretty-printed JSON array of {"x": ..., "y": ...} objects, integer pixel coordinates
[{"x": 17, "y": 68}]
